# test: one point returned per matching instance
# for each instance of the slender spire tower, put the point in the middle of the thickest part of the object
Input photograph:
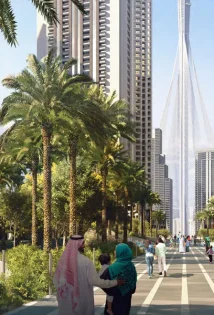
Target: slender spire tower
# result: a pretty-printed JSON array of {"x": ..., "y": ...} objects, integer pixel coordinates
[
  {"x": 185, "y": 126},
  {"x": 183, "y": 26}
]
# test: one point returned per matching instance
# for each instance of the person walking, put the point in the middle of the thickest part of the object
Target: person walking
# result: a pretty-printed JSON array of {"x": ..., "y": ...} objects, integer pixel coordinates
[
  {"x": 124, "y": 267},
  {"x": 195, "y": 240},
  {"x": 210, "y": 253},
  {"x": 105, "y": 261},
  {"x": 160, "y": 252},
  {"x": 74, "y": 279},
  {"x": 149, "y": 257},
  {"x": 182, "y": 245},
  {"x": 187, "y": 244}
]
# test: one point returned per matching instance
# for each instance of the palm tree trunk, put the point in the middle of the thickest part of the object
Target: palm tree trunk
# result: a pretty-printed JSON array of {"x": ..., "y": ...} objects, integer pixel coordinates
[
  {"x": 34, "y": 200},
  {"x": 104, "y": 203},
  {"x": 46, "y": 140},
  {"x": 151, "y": 221},
  {"x": 73, "y": 141},
  {"x": 109, "y": 227},
  {"x": 131, "y": 218},
  {"x": 117, "y": 220},
  {"x": 64, "y": 239},
  {"x": 56, "y": 239},
  {"x": 207, "y": 226},
  {"x": 125, "y": 222},
  {"x": 142, "y": 220},
  {"x": 14, "y": 235}
]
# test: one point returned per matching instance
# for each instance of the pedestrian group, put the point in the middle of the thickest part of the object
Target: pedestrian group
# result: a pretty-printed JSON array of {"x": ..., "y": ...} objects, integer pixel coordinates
[{"x": 76, "y": 276}]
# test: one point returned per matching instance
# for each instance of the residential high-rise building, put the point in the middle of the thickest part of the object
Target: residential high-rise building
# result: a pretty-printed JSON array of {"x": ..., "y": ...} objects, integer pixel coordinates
[
  {"x": 112, "y": 44},
  {"x": 160, "y": 181},
  {"x": 204, "y": 180}
]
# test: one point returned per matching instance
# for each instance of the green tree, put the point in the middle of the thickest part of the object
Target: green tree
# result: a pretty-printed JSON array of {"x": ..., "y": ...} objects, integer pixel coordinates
[
  {"x": 129, "y": 178},
  {"x": 104, "y": 159},
  {"x": 154, "y": 199},
  {"x": 201, "y": 216},
  {"x": 158, "y": 216},
  {"x": 144, "y": 197},
  {"x": 85, "y": 122},
  {"x": 15, "y": 210},
  {"x": 8, "y": 24},
  {"x": 26, "y": 151},
  {"x": 40, "y": 95},
  {"x": 105, "y": 155}
]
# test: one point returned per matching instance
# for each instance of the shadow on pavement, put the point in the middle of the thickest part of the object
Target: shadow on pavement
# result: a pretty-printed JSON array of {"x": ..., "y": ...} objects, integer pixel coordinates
[
  {"x": 174, "y": 309},
  {"x": 154, "y": 309},
  {"x": 34, "y": 310},
  {"x": 179, "y": 275}
]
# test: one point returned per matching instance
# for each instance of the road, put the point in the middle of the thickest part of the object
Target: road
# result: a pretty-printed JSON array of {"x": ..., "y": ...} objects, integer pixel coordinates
[{"x": 188, "y": 289}]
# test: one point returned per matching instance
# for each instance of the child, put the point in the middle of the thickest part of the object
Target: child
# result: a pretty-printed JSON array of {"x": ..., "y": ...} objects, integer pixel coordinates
[
  {"x": 105, "y": 260},
  {"x": 210, "y": 253}
]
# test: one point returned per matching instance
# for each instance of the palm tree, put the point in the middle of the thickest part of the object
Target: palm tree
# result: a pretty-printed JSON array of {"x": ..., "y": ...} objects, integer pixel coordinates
[
  {"x": 104, "y": 159},
  {"x": 105, "y": 155},
  {"x": 129, "y": 178},
  {"x": 40, "y": 95},
  {"x": 207, "y": 213},
  {"x": 210, "y": 207},
  {"x": 154, "y": 199},
  {"x": 82, "y": 122},
  {"x": 26, "y": 151},
  {"x": 8, "y": 24},
  {"x": 144, "y": 198},
  {"x": 159, "y": 216},
  {"x": 201, "y": 216}
]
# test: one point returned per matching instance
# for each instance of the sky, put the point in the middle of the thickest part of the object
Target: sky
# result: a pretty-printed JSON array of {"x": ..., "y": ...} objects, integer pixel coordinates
[{"x": 165, "y": 37}]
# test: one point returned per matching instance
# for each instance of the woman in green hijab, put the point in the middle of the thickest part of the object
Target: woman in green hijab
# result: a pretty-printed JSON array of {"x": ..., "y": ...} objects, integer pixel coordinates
[{"x": 122, "y": 268}]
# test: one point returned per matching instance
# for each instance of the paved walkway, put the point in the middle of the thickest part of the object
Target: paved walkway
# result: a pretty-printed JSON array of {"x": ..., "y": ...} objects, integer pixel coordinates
[{"x": 188, "y": 289}]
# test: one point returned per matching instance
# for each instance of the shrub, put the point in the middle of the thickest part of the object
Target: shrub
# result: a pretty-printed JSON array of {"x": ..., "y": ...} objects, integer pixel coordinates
[
  {"x": 135, "y": 227},
  {"x": 211, "y": 234},
  {"x": 202, "y": 233},
  {"x": 164, "y": 232},
  {"x": 7, "y": 299},
  {"x": 28, "y": 271}
]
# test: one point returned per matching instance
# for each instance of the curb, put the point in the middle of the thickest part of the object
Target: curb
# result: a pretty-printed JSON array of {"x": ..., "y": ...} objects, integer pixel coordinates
[{"x": 24, "y": 306}]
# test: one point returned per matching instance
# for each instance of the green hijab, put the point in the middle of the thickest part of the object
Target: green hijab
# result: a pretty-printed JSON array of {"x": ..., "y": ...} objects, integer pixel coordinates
[{"x": 123, "y": 268}]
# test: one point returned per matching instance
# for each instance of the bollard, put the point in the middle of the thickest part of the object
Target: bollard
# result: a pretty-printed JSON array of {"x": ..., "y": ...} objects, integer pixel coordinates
[
  {"x": 94, "y": 256},
  {"x": 50, "y": 271},
  {"x": 3, "y": 262},
  {"x": 136, "y": 250}
]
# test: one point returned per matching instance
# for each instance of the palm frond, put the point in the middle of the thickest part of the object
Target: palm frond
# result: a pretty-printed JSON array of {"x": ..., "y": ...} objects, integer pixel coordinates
[
  {"x": 79, "y": 5},
  {"x": 8, "y": 25},
  {"x": 47, "y": 10},
  {"x": 11, "y": 82}
]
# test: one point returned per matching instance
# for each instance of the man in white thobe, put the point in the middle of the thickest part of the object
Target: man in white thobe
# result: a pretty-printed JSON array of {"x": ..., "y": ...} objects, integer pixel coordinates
[
  {"x": 181, "y": 245},
  {"x": 74, "y": 279},
  {"x": 160, "y": 252}
]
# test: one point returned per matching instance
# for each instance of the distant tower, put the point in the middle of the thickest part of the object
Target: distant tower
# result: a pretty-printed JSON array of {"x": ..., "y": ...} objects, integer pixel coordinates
[
  {"x": 183, "y": 23},
  {"x": 185, "y": 126},
  {"x": 161, "y": 184},
  {"x": 112, "y": 44},
  {"x": 204, "y": 180}
]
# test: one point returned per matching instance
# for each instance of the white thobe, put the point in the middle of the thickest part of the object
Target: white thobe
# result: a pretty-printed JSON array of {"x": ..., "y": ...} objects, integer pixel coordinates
[
  {"x": 181, "y": 245},
  {"x": 87, "y": 278}
]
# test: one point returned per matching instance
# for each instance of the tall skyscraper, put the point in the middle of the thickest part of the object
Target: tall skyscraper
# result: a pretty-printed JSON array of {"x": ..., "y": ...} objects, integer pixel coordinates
[
  {"x": 185, "y": 124},
  {"x": 160, "y": 181},
  {"x": 112, "y": 44},
  {"x": 204, "y": 179}
]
